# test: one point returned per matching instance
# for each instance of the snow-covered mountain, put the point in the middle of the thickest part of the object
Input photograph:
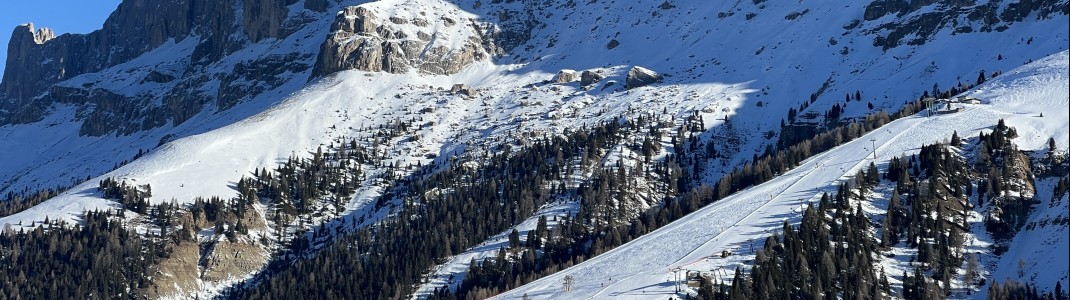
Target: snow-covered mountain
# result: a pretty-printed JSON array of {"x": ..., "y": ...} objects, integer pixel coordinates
[
  {"x": 203, "y": 93},
  {"x": 643, "y": 269}
]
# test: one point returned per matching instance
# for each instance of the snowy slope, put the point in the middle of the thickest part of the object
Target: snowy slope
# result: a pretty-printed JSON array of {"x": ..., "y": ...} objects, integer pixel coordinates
[
  {"x": 211, "y": 163},
  {"x": 641, "y": 269},
  {"x": 52, "y": 153},
  {"x": 1040, "y": 247},
  {"x": 749, "y": 68},
  {"x": 695, "y": 46}
]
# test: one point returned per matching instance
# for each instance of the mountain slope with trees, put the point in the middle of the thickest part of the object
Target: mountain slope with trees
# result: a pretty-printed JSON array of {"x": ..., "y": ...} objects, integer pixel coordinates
[
  {"x": 257, "y": 140},
  {"x": 697, "y": 241}
]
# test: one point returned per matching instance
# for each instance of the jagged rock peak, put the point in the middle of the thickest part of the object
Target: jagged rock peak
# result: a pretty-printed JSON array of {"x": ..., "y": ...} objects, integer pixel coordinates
[
  {"x": 202, "y": 32},
  {"x": 40, "y": 59},
  {"x": 40, "y": 36},
  {"x": 354, "y": 19},
  {"x": 22, "y": 64}
]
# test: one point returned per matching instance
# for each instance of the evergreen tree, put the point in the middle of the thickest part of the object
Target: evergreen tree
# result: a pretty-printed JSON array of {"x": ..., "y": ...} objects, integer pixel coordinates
[{"x": 514, "y": 239}]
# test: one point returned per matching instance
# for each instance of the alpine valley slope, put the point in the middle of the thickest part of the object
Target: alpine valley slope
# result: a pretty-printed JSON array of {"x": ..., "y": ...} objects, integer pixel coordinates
[
  {"x": 749, "y": 68},
  {"x": 641, "y": 269},
  {"x": 746, "y": 61}
]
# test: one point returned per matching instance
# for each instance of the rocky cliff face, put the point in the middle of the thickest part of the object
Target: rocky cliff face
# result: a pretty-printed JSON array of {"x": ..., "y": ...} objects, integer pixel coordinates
[
  {"x": 22, "y": 49},
  {"x": 914, "y": 22},
  {"x": 436, "y": 43},
  {"x": 36, "y": 63},
  {"x": 263, "y": 19},
  {"x": 109, "y": 70},
  {"x": 159, "y": 63}
]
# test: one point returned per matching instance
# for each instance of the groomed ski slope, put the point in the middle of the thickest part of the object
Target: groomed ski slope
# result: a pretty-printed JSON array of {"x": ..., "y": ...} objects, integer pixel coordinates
[{"x": 641, "y": 268}]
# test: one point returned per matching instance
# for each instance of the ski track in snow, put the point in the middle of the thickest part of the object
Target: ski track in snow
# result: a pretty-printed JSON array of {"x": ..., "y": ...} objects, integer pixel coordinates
[{"x": 641, "y": 268}]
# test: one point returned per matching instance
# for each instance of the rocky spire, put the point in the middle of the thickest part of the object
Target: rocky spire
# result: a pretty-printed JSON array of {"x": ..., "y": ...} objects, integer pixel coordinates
[
  {"x": 25, "y": 41},
  {"x": 38, "y": 59}
]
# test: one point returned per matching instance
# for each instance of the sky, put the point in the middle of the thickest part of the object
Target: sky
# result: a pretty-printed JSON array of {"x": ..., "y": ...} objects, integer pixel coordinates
[{"x": 63, "y": 16}]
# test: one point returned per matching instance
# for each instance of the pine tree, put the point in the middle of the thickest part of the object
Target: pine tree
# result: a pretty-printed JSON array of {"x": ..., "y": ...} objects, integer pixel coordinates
[
  {"x": 514, "y": 239},
  {"x": 886, "y": 233},
  {"x": 705, "y": 291},
  {"x": 1059, "y": 294}
]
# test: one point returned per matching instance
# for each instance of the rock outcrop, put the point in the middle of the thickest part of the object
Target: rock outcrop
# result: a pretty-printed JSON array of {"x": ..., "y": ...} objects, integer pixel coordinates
[
  {"x": 317, "y": 5},
  {"x": 263, "y": 19},
  {"x": 589, "y": 77},
  {"x": 463, "y": 89},
  {"x": 639, "y": 76},
  {"x": 36, "y": 62},
  {"x": 362, "y": 40},
  {"x": 91, "y": 70},
  {"x": 94, "y": 71},
  {"x": 22, "y": 55},
  {"x": 248, "y": 79},
  {"x": 916, "y": 22},
  {"x": 565, "y": 76},
  {"x": 199, "y": 262}
]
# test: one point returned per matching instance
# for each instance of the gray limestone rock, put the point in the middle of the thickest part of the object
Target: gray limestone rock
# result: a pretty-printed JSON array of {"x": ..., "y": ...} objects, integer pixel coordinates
[
  {"x": 589, "y": 77},
  {"x": 43, "y": 69},
  {"x": 565, "y": 76},
  {"x": 263, "y": 19},
  {"x": 639, "y": 76},
  {"x": 463, "y": 89},
  {"x": 37, "y": 59},
  {"x": 317, "y": 5},
  {"x": 360, "y": 40}
]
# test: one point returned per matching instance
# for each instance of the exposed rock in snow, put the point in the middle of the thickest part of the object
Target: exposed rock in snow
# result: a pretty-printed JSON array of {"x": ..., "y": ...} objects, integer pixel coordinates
[
  {"x": 360, "y": 40},
  {"x": 639, "y": 76},
  {"x": 565, "y": 76},
  {"x": 612, "y": 44},
  {"x": 463, "y": 89},
  {"x": 263, "y": 19},
  {"x": 157, "y": 63},
  {"x": 589, "y": 77},
  {"x": 21, "y": 62}
]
